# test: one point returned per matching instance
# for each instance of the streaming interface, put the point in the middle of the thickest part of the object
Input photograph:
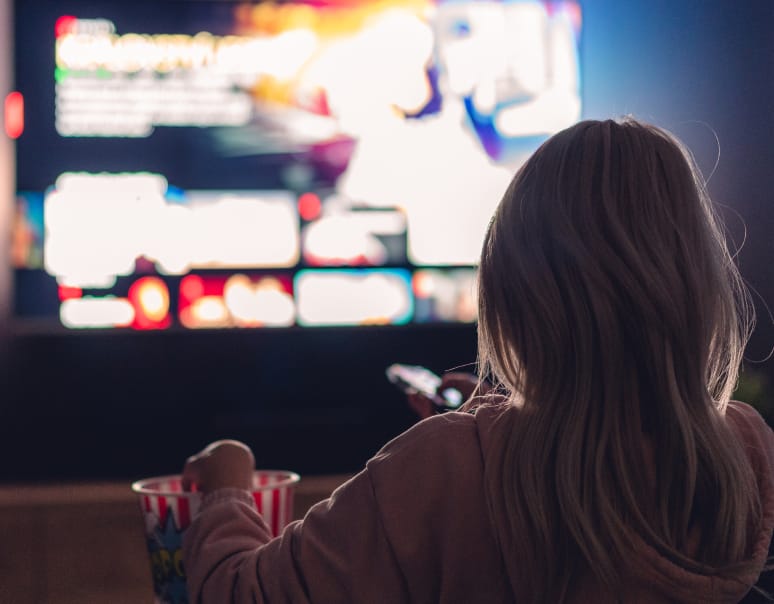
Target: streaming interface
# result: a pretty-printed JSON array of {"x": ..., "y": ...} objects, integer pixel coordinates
[{"x": 243, "y": 165}]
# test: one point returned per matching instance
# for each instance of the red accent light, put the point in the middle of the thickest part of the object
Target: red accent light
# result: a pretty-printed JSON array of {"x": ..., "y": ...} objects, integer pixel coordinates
[
  {"x": 191, "y": 288},
  {"x": 317, "y": 102},
  {"x": 14, "y": 114},
  {"x": 65, "y": 25},
  {"x": 68, "y": 293},
  {"x": 423, "y": 285},
  {"x": 309, "y": 206},
  {"x": 150, "y": 298}
]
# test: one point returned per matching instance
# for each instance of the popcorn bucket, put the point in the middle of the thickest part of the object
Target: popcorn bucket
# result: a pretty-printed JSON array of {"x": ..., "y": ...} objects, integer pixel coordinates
[{"x": 168, "y": 510}]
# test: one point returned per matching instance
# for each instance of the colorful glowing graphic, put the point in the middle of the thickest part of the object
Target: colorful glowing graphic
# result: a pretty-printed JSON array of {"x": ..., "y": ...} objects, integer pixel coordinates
[
  {"x": 277, "y": 164},
  {"x": 96, "y": 312},
  {"x": 445, "y": 296},
  {"x": 98, "y": 225},
  {"x": 354, "y": 297},
  {"x": 237, "y": 301},
  {"x": 150, "y": 299}
]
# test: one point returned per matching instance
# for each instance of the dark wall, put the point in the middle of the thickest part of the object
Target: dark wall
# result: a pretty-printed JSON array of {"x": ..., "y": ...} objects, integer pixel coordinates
[
  {"x": 134, "y": 404},
  {"x": 703, "y": 69}
]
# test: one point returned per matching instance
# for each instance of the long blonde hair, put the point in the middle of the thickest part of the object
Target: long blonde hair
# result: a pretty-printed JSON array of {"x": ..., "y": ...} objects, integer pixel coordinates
[{"x": 611, "y": 311}]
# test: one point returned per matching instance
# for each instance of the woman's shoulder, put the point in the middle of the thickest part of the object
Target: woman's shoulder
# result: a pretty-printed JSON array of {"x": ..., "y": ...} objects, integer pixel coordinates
[
  {"x": 756, "y": 437},
  {"x": 747, "y": 421},
  {"x": 452, "y": 442},
  {"x": 429, "y": 493},
  {"x": 437, "y": 436}
]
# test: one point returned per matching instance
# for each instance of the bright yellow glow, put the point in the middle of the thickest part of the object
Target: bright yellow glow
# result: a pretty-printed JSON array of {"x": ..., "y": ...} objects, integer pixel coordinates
[
  {"x": 269, "y": 18},
  {"x": 153, "y": 298},
  {"x": 209, "y": 311}
]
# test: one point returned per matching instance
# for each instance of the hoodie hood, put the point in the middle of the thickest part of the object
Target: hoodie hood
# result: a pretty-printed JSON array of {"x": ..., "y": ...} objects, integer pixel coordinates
[
  {"x": 686, "y": 586},
  {"x": 651, "y": 573}
]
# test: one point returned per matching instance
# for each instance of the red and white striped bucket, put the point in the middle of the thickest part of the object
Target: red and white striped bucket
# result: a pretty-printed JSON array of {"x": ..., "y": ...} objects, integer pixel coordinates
[{"x": 168, "y": 510}]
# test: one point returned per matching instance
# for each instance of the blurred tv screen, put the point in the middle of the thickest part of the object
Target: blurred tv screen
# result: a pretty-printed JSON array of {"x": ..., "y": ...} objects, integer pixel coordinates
[{"x": 193, "y": 164}]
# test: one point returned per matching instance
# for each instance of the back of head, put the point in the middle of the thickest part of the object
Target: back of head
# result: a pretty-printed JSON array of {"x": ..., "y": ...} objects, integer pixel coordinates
[{"x": 611, "y": 308}]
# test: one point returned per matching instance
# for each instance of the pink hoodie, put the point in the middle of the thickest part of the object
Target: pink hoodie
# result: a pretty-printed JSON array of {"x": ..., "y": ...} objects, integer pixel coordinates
[{"x": 413, "y": 526}]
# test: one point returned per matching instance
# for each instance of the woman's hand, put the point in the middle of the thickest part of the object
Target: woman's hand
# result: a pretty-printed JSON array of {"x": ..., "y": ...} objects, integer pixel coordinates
[
  {"x": 222, "y": 464},
  {"x": 465, "y": 383}
]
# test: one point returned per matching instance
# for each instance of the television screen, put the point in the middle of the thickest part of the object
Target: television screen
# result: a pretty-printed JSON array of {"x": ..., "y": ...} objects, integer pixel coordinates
[{"x": 212, "y": 164}]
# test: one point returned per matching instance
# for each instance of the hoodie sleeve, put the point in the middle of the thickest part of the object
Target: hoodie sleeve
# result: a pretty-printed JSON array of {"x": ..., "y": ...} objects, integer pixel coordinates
[{"x": 338, "y": 553}]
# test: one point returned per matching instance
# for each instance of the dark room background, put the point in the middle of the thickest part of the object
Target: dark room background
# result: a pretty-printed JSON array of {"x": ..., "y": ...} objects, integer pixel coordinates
[{"x": 96, "y": 405}]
